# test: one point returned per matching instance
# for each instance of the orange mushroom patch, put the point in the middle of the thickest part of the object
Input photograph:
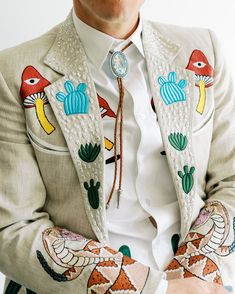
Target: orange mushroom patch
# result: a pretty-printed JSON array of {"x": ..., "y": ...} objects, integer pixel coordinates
[
  {"x": 33, "y": 95},
  {"x": 203, "y": 75}
]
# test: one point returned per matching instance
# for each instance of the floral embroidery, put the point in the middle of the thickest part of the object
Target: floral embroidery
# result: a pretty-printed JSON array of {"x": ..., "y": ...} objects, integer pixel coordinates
[
  {"x": 76, "y": 101},
  {"x": 178, "y": 141},
  {"x": 203, "y": 74},
  {"x": 93, "y": 193},
  {"x": 89, "y": 152},
  {"x": 33, "y": 95},
  {"x": 110, "y": 271},
  {"x": 192, "y": 258},
  {"x": 187, "y": 178},
  {"x": 170, "y": 91}
]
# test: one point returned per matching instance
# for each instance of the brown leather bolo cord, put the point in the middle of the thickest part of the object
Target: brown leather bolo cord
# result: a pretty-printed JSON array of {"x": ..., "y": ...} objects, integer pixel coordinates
[{"x": 118, "y": 123}]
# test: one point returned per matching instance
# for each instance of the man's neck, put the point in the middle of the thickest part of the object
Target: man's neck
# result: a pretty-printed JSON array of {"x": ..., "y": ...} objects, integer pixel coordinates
[{"x": 118, "y": 30}]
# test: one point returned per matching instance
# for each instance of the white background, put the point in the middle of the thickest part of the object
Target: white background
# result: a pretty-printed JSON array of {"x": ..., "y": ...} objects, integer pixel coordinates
[{"x": 25, "y": 19}]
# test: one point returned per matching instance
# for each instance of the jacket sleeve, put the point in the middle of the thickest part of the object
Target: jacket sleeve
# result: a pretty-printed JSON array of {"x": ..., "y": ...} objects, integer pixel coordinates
[
  {"x": 33, "y": 251},
  {"x": 209, "y": 249}
]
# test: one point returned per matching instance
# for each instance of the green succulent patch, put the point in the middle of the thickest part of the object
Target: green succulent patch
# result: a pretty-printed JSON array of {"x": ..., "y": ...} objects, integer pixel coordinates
[
  {"x": 178, "y": 141},
  {"x": 93, "y": 193},
  {"x": 187, "y": 178},
  {"x": 89, "y": 152}
]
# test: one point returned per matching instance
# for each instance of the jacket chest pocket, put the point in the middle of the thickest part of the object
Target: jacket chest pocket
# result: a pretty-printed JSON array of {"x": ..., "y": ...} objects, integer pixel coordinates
[
  {"x": 45, "y": 147},
  {"x": 203, "y": 108},
  {"x": 44, "y": 132}
]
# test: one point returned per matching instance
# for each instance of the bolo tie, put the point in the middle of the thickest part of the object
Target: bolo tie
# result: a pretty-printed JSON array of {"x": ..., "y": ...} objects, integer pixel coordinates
[{"x": 119, "y": 67}]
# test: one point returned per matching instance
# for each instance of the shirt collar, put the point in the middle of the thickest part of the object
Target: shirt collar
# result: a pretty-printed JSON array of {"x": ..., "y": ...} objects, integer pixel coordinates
[{"x": 98, "y": 44}]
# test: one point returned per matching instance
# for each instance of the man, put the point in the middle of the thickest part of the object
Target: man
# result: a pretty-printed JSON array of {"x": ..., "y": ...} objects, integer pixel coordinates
[{"x": 81, "y": 96}]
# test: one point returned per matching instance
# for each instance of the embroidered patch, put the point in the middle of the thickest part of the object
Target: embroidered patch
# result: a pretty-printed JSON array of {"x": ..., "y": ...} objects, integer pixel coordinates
[
  {"x": 54, "y": 275},
  {"x": 110, "y": 270},
  {"x": 125, "y": 250},
  {"x": 231, "y": 248},
  {"x": 178, "y": 141},
  {"x": 175, "y": 242},
  {"x": 203, "y": 75},
  {"x": 105, "y": 109},
  {"x": 208, "y": 234},
  {"x": 76, "y": 101},
  {"x": 111, "y": 159},
  {"x": 14, "y": 288},
  {"x": 33, "y": 95},
  {"x": 187, "y": 178},
  {"x": 108, "y": 144},
  {"x": 89, "y": 152},
  {"x": 93, "y": 193},
  {"x": 171, "y": 91},
  {"x": 28, "y": 291}
]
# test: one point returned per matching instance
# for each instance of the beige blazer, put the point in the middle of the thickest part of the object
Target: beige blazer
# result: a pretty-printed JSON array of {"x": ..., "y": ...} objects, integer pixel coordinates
[{"x": 52, "y": 163}]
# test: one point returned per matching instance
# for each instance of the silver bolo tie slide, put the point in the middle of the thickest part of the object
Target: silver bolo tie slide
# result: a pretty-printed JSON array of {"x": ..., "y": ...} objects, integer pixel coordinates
[{"x": 118, "y": 64}]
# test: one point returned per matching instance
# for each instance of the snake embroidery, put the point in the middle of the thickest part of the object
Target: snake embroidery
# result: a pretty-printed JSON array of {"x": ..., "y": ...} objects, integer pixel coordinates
[
  {"x": 193, "y": 258},
  {"x": 106, "y": 270}
]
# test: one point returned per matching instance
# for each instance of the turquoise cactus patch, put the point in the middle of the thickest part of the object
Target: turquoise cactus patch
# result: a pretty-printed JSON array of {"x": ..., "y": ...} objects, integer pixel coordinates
[
  {"x": 171, "y": 91},
  {"x": 76, "y": 101}
]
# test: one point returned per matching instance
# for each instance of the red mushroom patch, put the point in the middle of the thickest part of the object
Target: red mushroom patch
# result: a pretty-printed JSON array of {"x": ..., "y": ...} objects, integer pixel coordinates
[
  {"x": 203, "y": 75},
  {"x": 33, "y": 95}
]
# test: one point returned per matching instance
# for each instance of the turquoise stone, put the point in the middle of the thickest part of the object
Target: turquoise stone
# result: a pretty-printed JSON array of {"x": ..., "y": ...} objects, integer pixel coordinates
[{"x": 119, "y": 64}]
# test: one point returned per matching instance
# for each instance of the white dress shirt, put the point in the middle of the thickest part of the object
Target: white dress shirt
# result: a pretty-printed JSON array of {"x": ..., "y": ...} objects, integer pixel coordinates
[{"x": 147, "y": 184}]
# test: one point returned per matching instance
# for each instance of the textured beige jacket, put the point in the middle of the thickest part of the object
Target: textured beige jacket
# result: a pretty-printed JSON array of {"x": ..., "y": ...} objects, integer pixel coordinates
[{"x": 52, "y": 164}]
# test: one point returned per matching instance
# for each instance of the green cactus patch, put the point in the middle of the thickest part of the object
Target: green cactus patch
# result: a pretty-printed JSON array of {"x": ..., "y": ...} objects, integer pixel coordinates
[
  {"x": 178, "y": 141},
  {"x": 125, "y": 250},
  {"x": 93, "y": 193},
  {"x": 187, "y": 178},
  {"x": 89, "y": 152}
]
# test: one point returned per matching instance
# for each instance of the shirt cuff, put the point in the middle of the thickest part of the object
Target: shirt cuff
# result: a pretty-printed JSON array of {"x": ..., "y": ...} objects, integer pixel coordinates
[{"x": 162, "y": 287}]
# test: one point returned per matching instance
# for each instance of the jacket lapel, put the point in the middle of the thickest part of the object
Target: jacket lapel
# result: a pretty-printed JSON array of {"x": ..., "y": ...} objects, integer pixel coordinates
[
  {"x": 173, "y": 92},
  {"x": 74, "y": 101}
]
